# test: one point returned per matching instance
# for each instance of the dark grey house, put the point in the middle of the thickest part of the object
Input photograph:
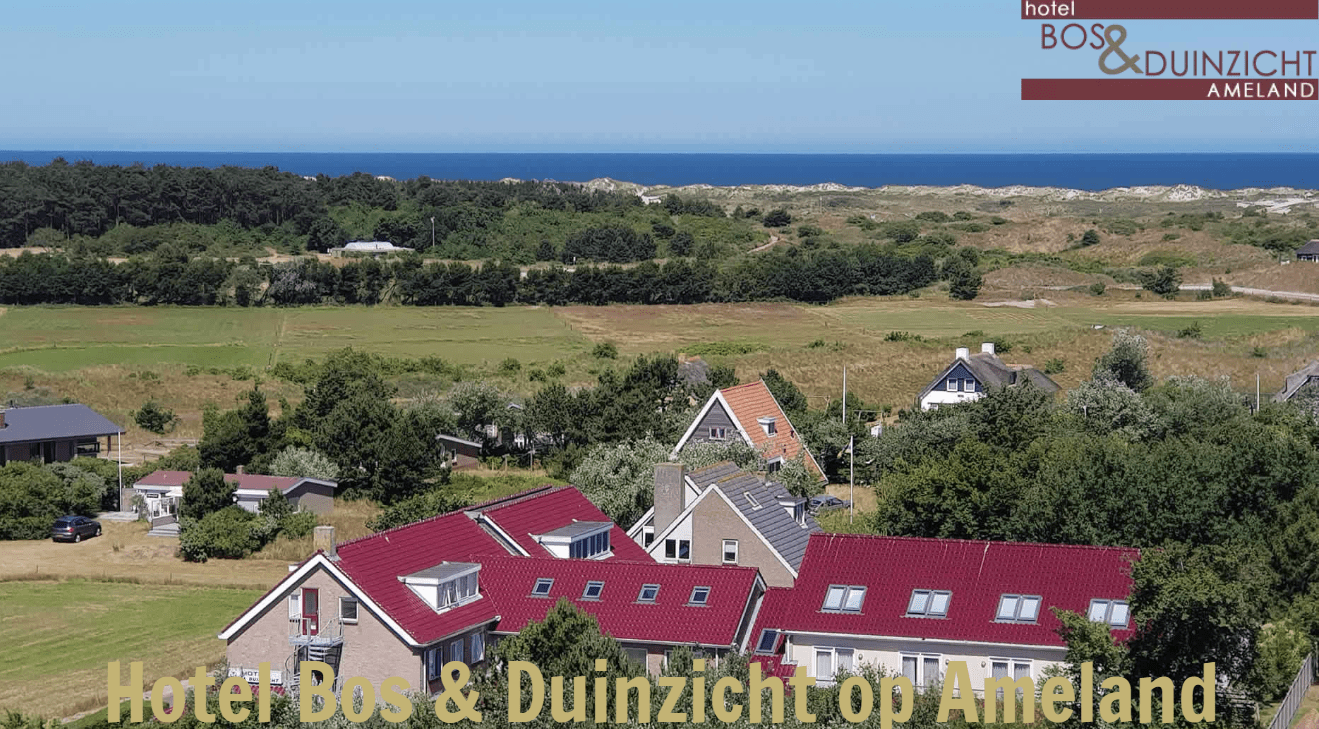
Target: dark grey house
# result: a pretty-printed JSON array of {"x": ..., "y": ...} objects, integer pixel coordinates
[
  {"x": 52, "y": 433},
  {"x": 1308, "y": 252},
  {"x": 970, "y": 375}
]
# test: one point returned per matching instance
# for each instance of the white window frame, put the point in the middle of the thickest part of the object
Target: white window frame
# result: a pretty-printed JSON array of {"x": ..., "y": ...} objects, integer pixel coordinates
[
  {"x": 1012, "y": 665},
  {"x": 922, "y": 680},
  {"x": 434, "y": 662},
  {"x": 647, "y": 537},
  {"x": 456, "y": 650},
  {"x": 357, "y": 607},
  {"x": 951, "y": 385},
  {"x": 833, "y": 653},
  {"x": 677, "y": 549},
  {"x": 968, "y": 385},
  {"x": 478, "y": 647},
  {"x": 718, "y": 433},
  {"x": 734, "y": 551},
  {"x": 751, "y": 500},
  {"x": 295, "y": 605}
]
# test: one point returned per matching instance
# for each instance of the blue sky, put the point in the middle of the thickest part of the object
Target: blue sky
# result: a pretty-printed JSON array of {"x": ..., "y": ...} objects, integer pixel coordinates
[{"x": 568, "y": 75}]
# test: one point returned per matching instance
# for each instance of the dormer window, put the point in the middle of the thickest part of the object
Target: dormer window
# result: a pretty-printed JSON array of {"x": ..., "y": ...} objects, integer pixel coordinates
[
  {"x": 1114, "y": 612},
  {"x": 844, "y": 598},
  {"x": 446, "y": 585},
  {"x": 593, "y": 590},
  {"x": 1018, "y": 609},
  {"x": 769, "y": 424},
  {"x": 542, "y": 587},
  {"x": 929, "y": 604},
  {"x": 579, "y": 540}
]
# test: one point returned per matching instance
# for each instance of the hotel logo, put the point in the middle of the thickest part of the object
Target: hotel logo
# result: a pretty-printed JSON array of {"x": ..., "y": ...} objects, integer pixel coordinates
[{"x": 1132, "y": 67}]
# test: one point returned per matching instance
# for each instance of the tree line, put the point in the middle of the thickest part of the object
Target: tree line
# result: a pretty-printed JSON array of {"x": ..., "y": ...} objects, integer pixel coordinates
[{"x": 171, "y": 276}]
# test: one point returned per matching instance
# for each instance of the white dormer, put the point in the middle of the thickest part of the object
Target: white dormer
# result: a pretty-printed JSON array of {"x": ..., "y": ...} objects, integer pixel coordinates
[
  {"x": 769, "y": 425},
  {"x": 796, "y": 508},
  {"x": 579, "y": 540},
  {"x": 446, "y": 585}
]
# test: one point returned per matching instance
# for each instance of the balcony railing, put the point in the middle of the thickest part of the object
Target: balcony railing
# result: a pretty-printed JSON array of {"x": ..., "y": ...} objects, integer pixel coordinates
[{"x": 329, "y": 631}]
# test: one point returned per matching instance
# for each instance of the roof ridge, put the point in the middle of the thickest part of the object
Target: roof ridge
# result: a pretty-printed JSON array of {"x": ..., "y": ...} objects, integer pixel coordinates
[
  {"x": 465, "y": 509},
  {"x": 759, "y": 381},
  {"x": 516, "y": 498},
  {"x": 1006, "y": 543}
]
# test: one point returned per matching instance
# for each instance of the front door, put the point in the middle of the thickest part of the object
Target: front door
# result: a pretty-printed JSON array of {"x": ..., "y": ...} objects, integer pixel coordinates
[{"x": 310, "y": 610}]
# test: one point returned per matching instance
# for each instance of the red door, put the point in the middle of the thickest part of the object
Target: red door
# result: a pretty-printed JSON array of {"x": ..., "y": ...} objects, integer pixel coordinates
[{"x": 310, "y": 610}]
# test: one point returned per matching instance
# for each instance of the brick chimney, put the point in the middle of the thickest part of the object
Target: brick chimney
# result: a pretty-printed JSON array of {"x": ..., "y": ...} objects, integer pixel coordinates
[
  {"x": 238, "y": 470},
  {"x": 987, "y": 347},
  {"x": 2, "y": 418},
  {"x": 670, "y": 494},
  {"x": 323, "y": 539},
  {"x": 963, "y": 353}
]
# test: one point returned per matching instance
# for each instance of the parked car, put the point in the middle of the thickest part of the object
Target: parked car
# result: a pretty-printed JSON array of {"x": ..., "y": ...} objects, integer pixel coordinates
[
  {"x": 74, "y": 528},
  {"x": 825, "y": 502}
]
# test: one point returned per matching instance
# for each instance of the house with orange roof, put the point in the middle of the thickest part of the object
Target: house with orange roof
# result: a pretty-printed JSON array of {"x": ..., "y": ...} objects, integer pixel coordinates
[{"x": 751, "y": 413}]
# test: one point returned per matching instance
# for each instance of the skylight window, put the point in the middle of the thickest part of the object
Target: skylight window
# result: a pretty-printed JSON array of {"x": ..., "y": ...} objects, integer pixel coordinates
[
  {"x": 700, "y": 595},
  {"x": 844, "y": 598},
  {"x": 929, "y": 603},
  {"x": 1114, "y": 612},
  {"x": 542, "y": 588},
  {"x": 1018, "y": 609},
  {"x": 648, "y": 593},
  {"x": 751, "y": 500},
  {"x": 593, "y": 590},
  {"x": 768, "y": 639}
]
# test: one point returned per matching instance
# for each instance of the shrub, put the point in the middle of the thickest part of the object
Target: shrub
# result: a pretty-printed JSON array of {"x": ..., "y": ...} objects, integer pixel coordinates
[
  {"x": 902, "y": 337},
  {"x": 963, "y": 215},
  {"x": 556, "y": 370},
  {"x": 1090, "y": 237},
  {"x": 1165, "y": 282},
  {"x": 510, "y": 366},
  {"x": 933, "y": 216},
  {"x": 605, "y": 350},
  {"x": 154, "y": 418},
  {"x": 1259, "y": 352},
  {"x": 1001, "y": 345},
  {"x": 304, "y": 463},
  {"x": 1098, "y": 288},
  {"x": 777, "y": 218},
  {"x": 1171, "y": 236},
  {"x": 1054, "y": 366},
  {"x": 1190, "y": 332},
  {"x": 1221, "y": 289},
  {"x": 230, "y": 533},
  {"x": 998, "y": 220},
  {"x": 1121, "y": 226},
  {"x": 817, "y": 344},
  {"x": 298, "y": 524}
]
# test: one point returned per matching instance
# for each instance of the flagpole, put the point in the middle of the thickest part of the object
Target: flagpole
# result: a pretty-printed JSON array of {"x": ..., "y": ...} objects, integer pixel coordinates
[{"x": 851, "y": 478}]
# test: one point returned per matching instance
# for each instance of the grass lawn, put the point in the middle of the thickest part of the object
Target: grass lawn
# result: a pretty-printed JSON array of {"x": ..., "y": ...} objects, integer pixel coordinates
[
  {"x": 57, "y": 339},
  {"x": 59, "y": 637}
]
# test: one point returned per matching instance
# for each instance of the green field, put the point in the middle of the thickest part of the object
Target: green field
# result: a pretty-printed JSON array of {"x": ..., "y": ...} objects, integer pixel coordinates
[
  {"x": 58, "y": 637},
  {"x": 57, "y": 339}
]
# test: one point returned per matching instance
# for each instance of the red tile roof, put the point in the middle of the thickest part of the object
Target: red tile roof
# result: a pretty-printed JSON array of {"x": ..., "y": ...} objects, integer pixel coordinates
[
  {"x": 978, "y": 573},
  {"x": 376, "y": 562},
  {"x": 546, "y": 510},
  {"x": 753, "y": 401},
  {"x": 244, "y": 481},
  {"x": 773, "y": 612},
  {"x": 670, "y": 619}
]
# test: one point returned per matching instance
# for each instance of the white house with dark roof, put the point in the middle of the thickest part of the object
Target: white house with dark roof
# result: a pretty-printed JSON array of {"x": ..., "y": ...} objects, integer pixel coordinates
[
  {"x": 54, "y": 433},
  {"x": 1308, "y": 252},
  {"x": 971, "y": 375},
  {"x": 724, "y": 515}
]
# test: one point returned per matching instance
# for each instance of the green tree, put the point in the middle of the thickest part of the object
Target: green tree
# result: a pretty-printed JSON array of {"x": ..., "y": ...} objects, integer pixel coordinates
[
  {"x": 789, "y": 397},
  {"x": 777, "y": 218},
  {"x": 238, "y": 437},
  {"x": 304, "y": 463},
  {"x": 1090, "y": 237},
  {"x": 1165, "y": 282},
  {"x": 1128, "y": 361},
  {"x": 205, "y": 492},
  {"x": 619, "y": 478},
  {"x": 154, "y": 418}
]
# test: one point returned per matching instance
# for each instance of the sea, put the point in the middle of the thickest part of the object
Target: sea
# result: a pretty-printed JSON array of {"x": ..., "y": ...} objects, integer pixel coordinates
[{"x": 1100, "y": 171}]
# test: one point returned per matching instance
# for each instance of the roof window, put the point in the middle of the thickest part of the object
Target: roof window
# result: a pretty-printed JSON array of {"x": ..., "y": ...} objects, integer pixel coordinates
[
  {"x": 648, "y": 593},
  {"x": 593, "y": 590},
  {"x": 769, "y": 638},
  {"x": 1114, "y": 612},
  {"x": 543, "y": 585},
  {"x": 929, "y": 603},
  {"x": 844, "y": 598},
  {"x": 1018, "y": 609},
  {"x": 700, "y": 595},
  {"x": 751, "y": 500}
]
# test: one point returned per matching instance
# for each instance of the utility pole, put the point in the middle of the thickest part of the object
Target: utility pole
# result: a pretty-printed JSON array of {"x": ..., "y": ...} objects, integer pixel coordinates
[
  {"x": 844, "y": 395},
  {"x": 851, "y": 478},
  {"x": 1256, "y": 392}
]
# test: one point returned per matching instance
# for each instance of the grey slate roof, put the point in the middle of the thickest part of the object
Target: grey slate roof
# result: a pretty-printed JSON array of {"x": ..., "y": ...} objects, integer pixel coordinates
[
  {"x": 770, "y": 518},
  {"x": 993, "y": 372},
  {"x": 54, "y": 422},
  {"x": 1296, "y": 381},
  {"x": 1311, "y": 248},
  {"x": 577, "y": 528}
]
